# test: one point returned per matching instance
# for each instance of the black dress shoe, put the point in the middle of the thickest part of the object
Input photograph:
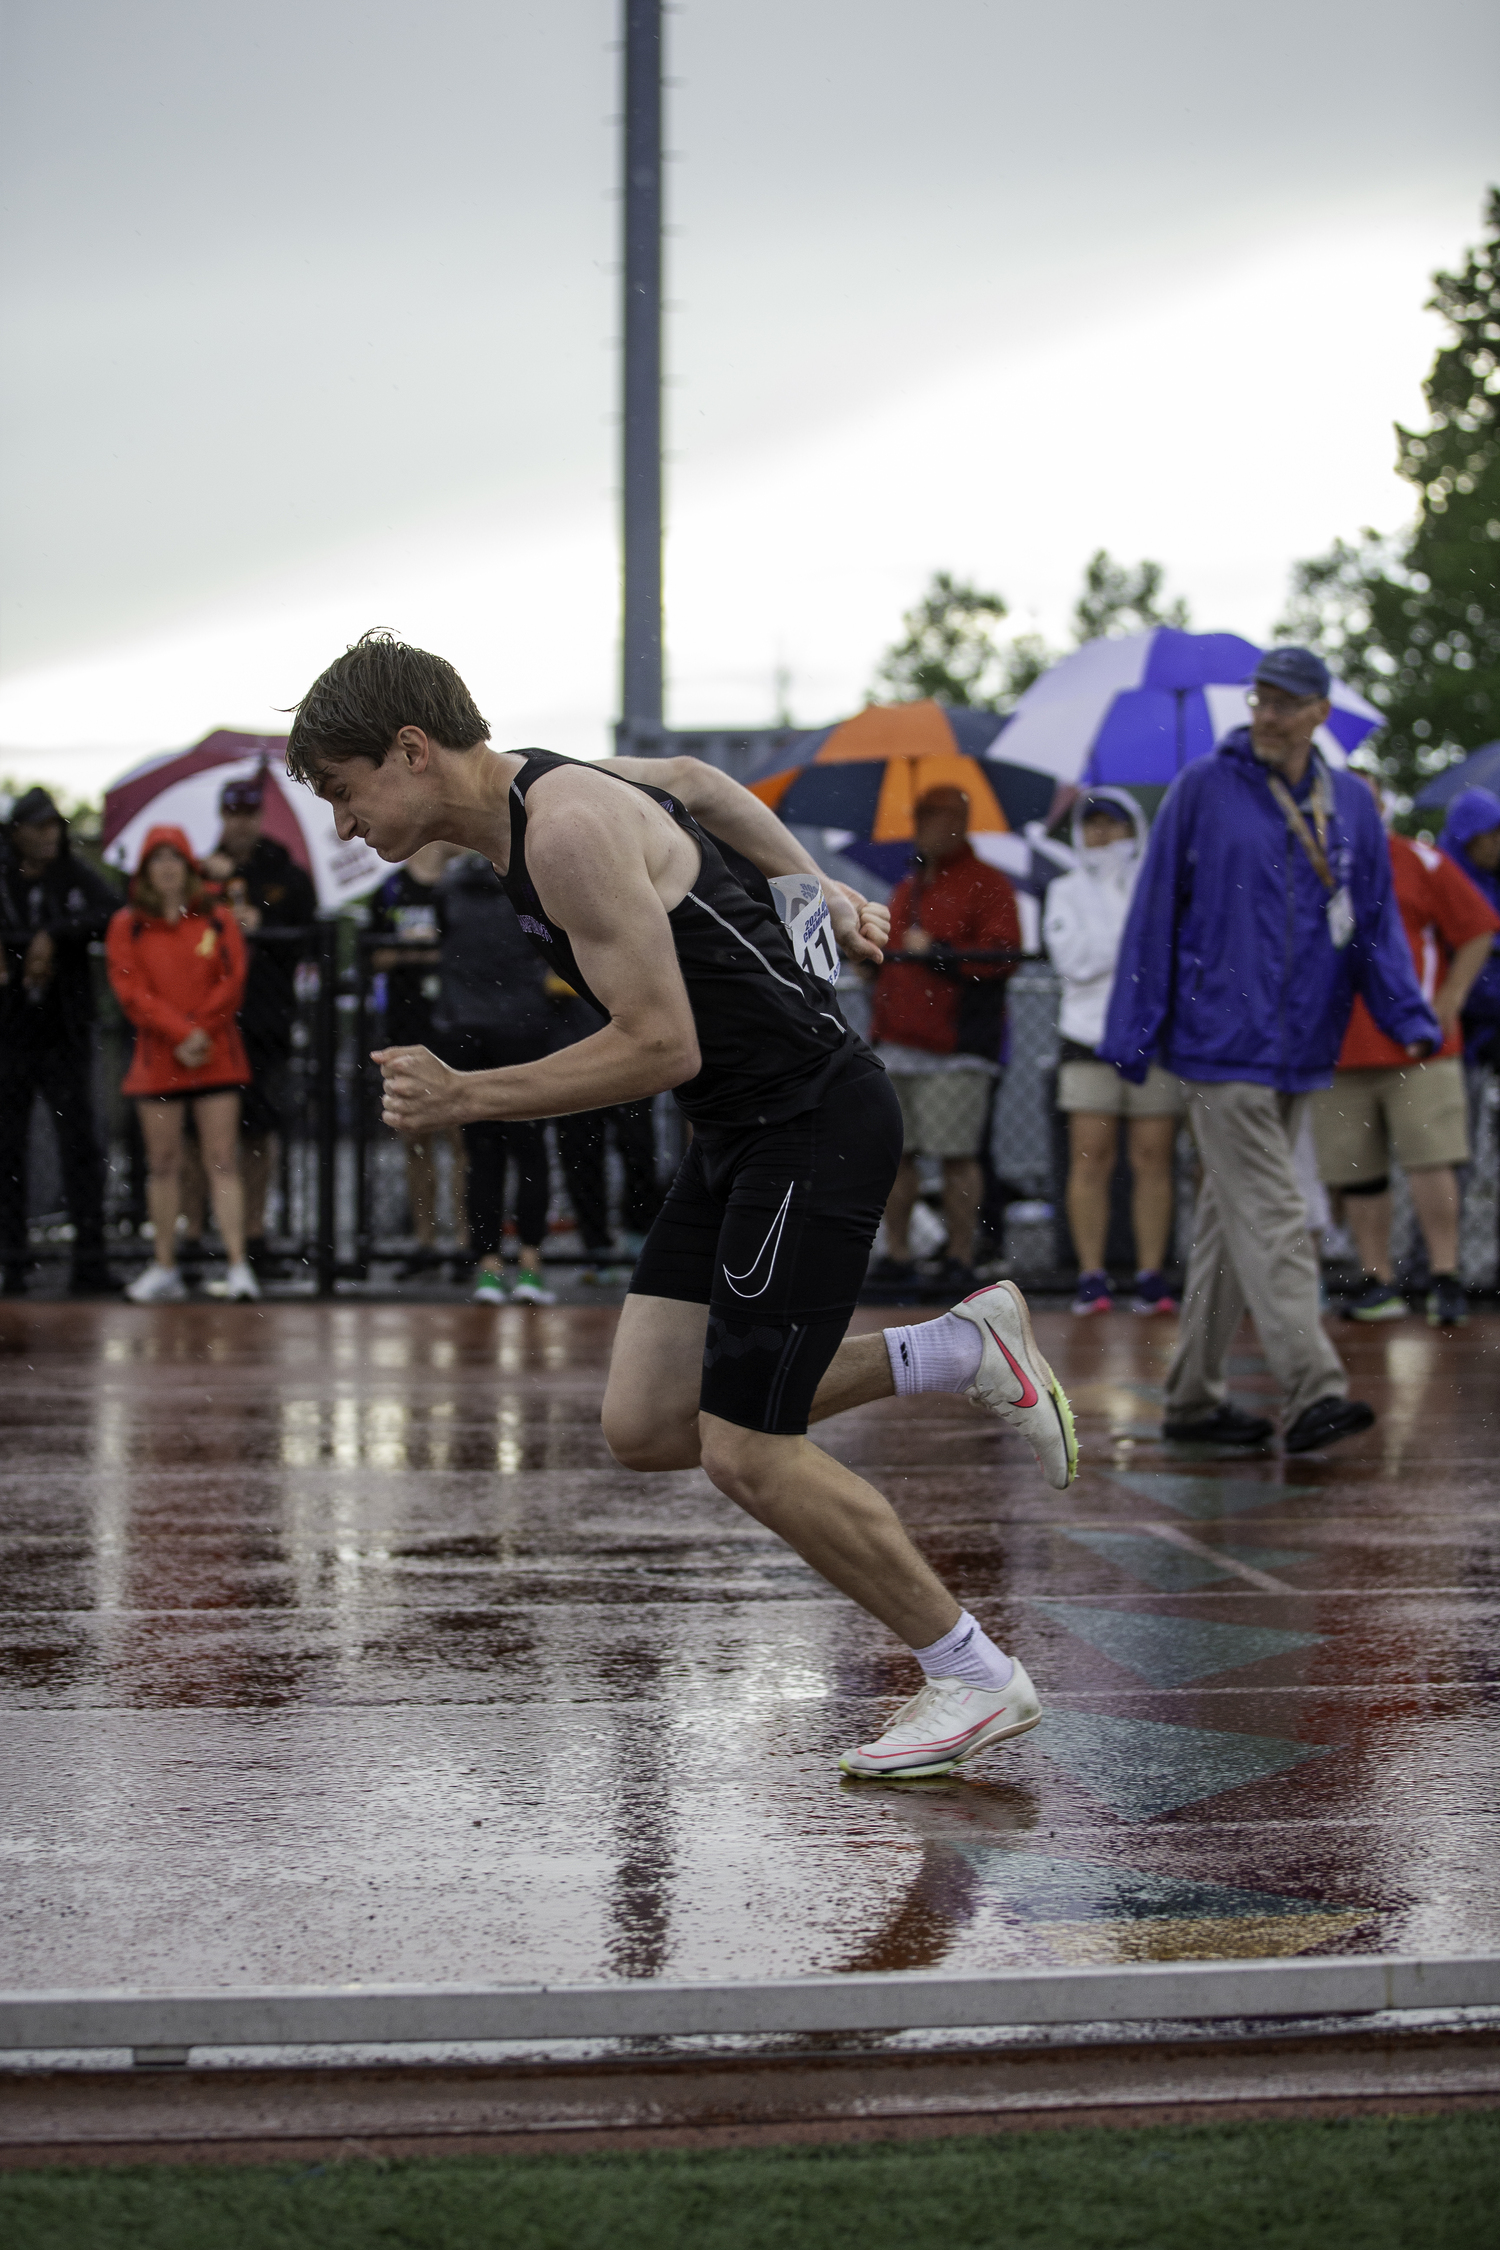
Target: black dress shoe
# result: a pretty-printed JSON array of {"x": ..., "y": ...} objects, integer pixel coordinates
[
  {"x": 1326, "y": 1421},
  {"x": 1227, "y": 1425}
]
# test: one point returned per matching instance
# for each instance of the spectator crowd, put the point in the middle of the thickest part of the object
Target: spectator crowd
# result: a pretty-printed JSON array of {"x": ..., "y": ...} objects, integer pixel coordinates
[
  {"x": 1315, "y": 1000},
  {"x": 201, "y": 957}
]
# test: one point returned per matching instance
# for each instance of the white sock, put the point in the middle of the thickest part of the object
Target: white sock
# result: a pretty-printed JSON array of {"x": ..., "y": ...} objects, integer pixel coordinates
[
  {"x": 967, "y": 1654},
  {"x": 934, "y": 1355}
]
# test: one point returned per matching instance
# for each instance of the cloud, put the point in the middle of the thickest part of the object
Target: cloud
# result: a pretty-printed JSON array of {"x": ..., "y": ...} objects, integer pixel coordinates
[{"x": 312, "y": 328}]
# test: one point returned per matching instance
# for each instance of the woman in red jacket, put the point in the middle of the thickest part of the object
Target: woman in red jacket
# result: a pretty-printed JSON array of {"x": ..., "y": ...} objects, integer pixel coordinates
[{"x": 177, "y": 965}]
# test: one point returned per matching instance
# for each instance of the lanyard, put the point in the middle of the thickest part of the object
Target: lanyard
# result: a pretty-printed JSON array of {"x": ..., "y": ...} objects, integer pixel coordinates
[{"x": 1316, "y": 847}]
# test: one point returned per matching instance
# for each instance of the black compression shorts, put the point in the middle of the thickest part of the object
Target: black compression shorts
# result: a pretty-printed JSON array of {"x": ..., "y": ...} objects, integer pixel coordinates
[{"x": 771, "y": 1229}]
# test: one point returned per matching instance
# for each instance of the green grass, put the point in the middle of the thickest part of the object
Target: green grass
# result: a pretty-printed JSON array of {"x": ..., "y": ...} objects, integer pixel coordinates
[{"x": 1358, "y": 2184}]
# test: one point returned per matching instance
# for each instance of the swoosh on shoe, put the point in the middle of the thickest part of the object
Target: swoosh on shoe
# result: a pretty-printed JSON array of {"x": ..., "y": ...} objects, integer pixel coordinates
[{"x": 1029, "y": 1395}]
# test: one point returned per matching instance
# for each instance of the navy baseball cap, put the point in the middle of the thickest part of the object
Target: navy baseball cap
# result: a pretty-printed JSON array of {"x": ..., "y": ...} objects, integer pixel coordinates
[
  {"x": 247, "y": 794},
  {"x": 1297, "y": 670}
]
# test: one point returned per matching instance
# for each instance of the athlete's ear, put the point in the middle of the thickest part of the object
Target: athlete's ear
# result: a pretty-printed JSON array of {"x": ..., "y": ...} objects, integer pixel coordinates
[{"x": 415, "y": 748}]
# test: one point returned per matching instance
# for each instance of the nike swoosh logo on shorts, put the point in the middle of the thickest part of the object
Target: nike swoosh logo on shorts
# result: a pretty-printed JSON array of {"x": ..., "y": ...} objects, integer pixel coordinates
[
  {"x": 772, "y": 1244},
  {"x": 1028, "y": 1395}
]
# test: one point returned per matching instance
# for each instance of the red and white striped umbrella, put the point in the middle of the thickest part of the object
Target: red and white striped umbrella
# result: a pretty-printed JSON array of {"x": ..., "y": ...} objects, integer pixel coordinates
[{"x": 183, "y": 788}]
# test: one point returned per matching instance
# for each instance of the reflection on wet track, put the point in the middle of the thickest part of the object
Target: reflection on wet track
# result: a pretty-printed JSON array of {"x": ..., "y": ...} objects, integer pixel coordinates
[{"x": 334, "y": 1647}]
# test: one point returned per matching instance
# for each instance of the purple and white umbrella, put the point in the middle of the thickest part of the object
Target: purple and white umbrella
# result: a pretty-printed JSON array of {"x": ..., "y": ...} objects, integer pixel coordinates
[{"x": 1136, "y": 710}]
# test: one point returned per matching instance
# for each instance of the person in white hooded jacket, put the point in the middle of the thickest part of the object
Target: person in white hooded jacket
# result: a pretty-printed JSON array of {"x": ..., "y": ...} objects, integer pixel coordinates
[{"x": 1082, "y": 925}]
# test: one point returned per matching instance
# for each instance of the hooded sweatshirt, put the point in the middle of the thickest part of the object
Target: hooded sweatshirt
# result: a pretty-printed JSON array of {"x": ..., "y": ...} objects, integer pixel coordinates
[
  {"x": 175, "y": 977},
  {"x": 1228, "y": 968},
  {"x": 1085, "y": 918},
  {"x": 1472, "y": 813}
]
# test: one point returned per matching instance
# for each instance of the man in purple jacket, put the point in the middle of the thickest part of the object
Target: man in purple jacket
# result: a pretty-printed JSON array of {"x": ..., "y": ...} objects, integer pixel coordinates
[{"x": 1265, "y": 903}]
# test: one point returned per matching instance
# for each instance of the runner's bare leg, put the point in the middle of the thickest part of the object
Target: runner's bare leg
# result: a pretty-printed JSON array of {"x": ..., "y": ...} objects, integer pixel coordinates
[{"x": 842, "y": 1526}]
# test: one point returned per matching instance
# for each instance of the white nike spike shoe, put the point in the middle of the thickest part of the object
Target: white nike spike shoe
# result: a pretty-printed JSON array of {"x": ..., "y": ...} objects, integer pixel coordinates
[
  {"x": 946, "y": 1723},
  {"x": 1015, "y": 1382}
]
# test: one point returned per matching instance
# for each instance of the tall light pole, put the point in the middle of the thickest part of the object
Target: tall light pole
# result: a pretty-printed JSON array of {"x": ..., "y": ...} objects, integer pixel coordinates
[{"x": 641, "y": 638}]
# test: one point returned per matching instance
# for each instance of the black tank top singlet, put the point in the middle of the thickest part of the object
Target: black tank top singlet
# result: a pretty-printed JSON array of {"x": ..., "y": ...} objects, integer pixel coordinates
[{"x": 770, "y": 1035}]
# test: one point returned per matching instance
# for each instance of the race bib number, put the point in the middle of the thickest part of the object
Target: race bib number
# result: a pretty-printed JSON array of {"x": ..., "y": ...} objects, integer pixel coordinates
[
  {"x": 1341, "y": 918},
  {"x": 804, "y": 916}
]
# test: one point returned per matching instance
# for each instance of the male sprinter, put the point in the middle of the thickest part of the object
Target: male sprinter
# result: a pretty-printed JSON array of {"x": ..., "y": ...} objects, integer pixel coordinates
[{"x": 732, "y": 1337}]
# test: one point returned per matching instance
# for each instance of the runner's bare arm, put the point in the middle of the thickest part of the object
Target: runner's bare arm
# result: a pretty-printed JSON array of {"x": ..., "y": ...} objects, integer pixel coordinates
[
  {"x": 730, "y": 812},
  {"x": 591, "y": 875}
]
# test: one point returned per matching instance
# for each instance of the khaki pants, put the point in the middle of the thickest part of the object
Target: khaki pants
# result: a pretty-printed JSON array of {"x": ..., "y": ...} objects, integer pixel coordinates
[{"x": 1251, "y": 1252}]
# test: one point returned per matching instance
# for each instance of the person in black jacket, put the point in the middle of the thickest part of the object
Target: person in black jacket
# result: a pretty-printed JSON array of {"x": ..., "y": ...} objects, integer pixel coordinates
[
  {"x": 53, "y": 906},
  {"x": 274, "y": 902},
  {"x": 493, "y": 1009},
  {"x": 405, "y": 910},
  {"x": 581, "y": 1144}
]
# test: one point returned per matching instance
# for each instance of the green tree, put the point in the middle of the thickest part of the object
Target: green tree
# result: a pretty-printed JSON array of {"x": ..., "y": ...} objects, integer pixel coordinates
[
  {"x": 1117, "y": 598},
  {"x": 948, "y": 648},
  {"x": 1414, "y": 621}
]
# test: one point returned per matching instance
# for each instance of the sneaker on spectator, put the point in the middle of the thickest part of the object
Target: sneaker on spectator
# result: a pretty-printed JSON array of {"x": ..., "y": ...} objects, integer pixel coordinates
[
  {"x": 489, "y": 1289},
  {"x": 158, "y": 1285},
  {"x": 1447, "y": 1303},
  {"x": 264, "y": 1262},
  {"x": 240, "y": 1284},
  {"x": 892, "y": 1272},
  {"x": 949, "y": 1280},
  {"x": 1375, "y": 1300},
  {"x": 1152, "y": 1296},
  {"x": 1094, "y": 1295},
  {"x": 530, "y": 1289}
]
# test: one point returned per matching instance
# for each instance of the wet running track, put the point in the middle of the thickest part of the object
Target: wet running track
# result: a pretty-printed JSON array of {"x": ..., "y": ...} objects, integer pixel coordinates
[{"x": 333, "y": 1647}]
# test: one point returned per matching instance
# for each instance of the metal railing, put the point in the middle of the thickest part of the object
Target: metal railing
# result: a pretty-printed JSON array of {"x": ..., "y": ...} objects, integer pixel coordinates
[{"x": 339, "y": 1175}]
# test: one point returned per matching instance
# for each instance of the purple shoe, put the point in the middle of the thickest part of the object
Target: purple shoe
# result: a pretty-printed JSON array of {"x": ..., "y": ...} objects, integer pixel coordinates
[
  {"x": 1094, "y": 1294},
  {"x": 1152, "y": 1296}
]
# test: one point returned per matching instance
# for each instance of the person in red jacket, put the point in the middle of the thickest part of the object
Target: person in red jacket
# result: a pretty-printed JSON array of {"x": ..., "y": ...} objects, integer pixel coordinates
[
  {"x": 938, "y": 1022},
  {"x": 176, "y": 961},
  {"x": 1382, "y": 1104}
]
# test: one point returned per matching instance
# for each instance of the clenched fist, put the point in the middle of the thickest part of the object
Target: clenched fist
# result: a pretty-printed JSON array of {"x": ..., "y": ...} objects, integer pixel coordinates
[
  {"x": 861, "y": 927},
  {"x": 421, "y": 1094}
]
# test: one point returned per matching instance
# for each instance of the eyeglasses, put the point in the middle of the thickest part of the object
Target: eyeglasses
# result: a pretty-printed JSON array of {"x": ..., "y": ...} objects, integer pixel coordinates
[{"x": 1275, "y": 703}]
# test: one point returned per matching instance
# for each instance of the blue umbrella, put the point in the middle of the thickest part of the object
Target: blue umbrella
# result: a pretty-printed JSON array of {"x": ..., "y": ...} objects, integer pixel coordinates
[
  {"x": 1479, "y": 771},
  {"x": 1136, "y": 710}
]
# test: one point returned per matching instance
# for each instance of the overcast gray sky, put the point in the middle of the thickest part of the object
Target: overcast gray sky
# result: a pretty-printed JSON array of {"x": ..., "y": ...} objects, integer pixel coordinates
[{"x": 310, "y": 320}]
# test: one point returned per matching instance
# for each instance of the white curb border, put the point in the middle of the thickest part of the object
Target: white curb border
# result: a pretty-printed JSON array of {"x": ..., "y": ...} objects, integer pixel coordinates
[{"x": 165, "y": 2026}]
